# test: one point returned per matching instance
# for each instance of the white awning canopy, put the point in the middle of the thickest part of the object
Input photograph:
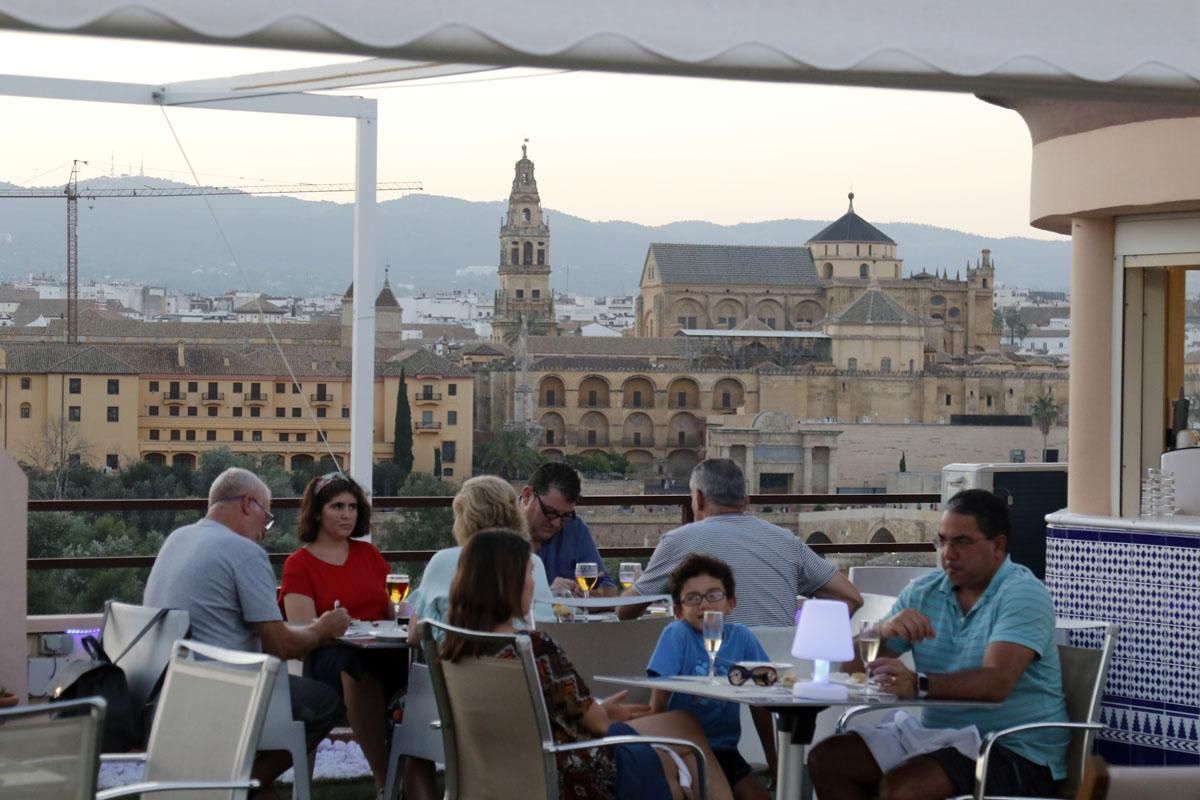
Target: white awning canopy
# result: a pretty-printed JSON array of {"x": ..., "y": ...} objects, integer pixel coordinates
[{"x": 1144, "y": 51}]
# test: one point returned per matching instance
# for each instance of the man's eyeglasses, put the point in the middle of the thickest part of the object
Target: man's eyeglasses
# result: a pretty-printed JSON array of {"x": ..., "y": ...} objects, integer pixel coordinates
[
  {"x": 552, "y": 514},
  {"x": 763, "y": 675},
  {"x": 253, "y": 499},
  {"x": 695, "y": 598}
]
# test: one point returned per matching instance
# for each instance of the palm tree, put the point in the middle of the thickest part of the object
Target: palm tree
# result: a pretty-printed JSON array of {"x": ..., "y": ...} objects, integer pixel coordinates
[
  {"x": 507, "y": 455},
  {"x": 1045, "y": 415}
]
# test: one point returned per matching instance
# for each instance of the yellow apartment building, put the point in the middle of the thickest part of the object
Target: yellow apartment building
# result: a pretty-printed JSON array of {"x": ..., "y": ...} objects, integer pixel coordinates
[{"x": 110, "y": 405}]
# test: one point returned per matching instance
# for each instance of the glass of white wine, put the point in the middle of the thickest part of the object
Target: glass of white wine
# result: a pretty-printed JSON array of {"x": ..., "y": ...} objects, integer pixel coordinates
[
  {"x": 586, "y": 575},
  {"x": 630, "y": 572},
  {"x": 714, "y": 630},
  {"x": 868, "y": 650}
]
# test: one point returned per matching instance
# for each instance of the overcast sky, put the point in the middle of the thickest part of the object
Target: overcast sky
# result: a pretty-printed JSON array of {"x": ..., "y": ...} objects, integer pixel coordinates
[{"x": 607, "y": 147}]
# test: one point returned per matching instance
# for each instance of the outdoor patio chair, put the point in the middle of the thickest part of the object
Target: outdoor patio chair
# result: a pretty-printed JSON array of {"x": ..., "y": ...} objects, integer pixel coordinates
[
  {"x": 1102, "y": 782},
  {"x": 889, "y": 580},
  {"x": 282, "y": 731},
  {"x": 1084, "y": 671},
  {"x": 609, "y": 648},
  {"x": 416, "y": 735},
  {"x": 206, "y": 732},
  {"x": 50, "y": 752},
  {"x": 495, "y": 727},
  {"x": 146, "y": 661}
]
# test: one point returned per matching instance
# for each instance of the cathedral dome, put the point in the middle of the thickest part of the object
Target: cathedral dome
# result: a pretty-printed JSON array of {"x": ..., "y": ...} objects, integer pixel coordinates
[{"x": 850, "y": 227}]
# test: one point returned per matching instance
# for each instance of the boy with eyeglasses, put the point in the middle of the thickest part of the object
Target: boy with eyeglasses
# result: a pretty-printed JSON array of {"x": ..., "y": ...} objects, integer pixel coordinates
[{"x": 704, "y": 583}]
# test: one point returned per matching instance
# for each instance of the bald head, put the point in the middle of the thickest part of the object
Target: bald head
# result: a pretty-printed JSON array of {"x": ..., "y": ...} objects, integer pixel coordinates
[{"x": 239, "y": 500}]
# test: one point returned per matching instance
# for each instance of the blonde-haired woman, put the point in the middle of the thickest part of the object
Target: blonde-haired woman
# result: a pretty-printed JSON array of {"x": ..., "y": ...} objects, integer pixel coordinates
[{"x": 482, "y": 502}]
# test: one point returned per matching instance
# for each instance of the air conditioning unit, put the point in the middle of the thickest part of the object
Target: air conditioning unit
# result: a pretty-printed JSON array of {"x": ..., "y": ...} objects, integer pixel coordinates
[{"x": 1032, "y": 492}]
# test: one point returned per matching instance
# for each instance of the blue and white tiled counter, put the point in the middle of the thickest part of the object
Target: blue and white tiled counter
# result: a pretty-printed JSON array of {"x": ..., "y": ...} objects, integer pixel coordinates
[{"x": 1144, "y": 575}]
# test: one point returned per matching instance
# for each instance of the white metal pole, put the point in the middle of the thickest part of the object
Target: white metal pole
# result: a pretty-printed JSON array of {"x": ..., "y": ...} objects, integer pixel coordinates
[{"x": 362, "y": 375}]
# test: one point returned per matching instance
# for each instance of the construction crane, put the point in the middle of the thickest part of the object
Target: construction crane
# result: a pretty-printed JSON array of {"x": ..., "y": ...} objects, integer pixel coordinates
[{"x": 72, "y": 192}]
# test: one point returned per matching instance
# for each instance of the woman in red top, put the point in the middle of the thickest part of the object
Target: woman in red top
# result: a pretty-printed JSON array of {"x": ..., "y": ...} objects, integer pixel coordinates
[{"x": 334, "y": 567}]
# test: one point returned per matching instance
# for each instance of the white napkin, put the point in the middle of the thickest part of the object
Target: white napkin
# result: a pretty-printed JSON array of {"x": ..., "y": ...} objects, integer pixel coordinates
[{"x": 903, "y": 736}]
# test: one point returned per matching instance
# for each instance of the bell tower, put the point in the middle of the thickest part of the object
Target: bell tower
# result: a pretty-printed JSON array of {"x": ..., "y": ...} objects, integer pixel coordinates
[{"x": 524, "y": 293}]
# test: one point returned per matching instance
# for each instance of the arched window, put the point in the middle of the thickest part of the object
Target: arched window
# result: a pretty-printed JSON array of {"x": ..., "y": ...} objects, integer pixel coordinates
[
  {"x": 541, "y": 254},
  {"x": 525, "y": 214},
  {"x": 864, "y": 271},
  {"x": 528, "y": 252},
  {"x": 885, "y": 365},
  {"x": 828, "y": 270},
  {"x": 985, "y": 283},
  {"x": 26, "y": 410},
  {"x": 516, "y": 256},
  {"x": 954, "y": 313},
  {"x": 852, "y": 364}
]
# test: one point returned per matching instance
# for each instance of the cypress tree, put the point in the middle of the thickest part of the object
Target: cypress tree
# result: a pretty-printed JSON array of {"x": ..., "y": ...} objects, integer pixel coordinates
[
  {"x": 437, "y": 462},
  {"x": 402, "y": 445}
]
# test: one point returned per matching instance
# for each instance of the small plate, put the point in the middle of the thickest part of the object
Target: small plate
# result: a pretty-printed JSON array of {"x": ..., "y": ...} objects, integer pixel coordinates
[{"x": 390, "y": 633}]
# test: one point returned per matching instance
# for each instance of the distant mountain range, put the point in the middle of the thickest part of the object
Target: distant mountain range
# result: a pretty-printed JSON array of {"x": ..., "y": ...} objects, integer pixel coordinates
[{"x": 287, "y": 245}]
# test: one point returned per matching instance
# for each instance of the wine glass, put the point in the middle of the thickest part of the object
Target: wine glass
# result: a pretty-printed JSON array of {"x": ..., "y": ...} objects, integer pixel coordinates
[
  {"x": 868, "y": 642},
  {"x": 630, "y": 572},
  {"x": 714, "y": 630},
  {"x": 586, "y": 575},
  {"x": 397, "y": 589}
]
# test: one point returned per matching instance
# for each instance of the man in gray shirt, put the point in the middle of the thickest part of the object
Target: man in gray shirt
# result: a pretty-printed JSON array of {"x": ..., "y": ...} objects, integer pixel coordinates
[
  {"x": 770, "y": 564},
  {"x": 216, "y": 571}
]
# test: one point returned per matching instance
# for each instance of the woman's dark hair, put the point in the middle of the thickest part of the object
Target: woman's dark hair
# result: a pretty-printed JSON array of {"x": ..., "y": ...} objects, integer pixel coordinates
[
  {"x": 319, "y": 492},
  {"x": 699, "y": 564},
  {"x": 487, "y": 588}
]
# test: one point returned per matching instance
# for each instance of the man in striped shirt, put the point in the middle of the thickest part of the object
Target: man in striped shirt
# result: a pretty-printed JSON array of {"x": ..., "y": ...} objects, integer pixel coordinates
[
  {"x": 770, "y": 564},
  {"x": 982, "y": 629}
]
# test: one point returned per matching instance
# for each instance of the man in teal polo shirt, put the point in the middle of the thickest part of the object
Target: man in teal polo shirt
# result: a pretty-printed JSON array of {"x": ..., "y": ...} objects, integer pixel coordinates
[{"x": 982, "y": 629}]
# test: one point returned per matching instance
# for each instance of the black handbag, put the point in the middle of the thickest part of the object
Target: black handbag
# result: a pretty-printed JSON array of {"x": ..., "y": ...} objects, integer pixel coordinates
[{"x": 124, "y": 724}]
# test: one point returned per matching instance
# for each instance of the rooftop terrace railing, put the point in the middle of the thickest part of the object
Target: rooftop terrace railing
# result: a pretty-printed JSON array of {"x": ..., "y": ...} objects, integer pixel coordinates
[{"x": 681, "y": 501}]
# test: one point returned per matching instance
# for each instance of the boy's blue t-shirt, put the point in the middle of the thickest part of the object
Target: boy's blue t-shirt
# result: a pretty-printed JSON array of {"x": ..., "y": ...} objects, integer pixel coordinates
[{"x": 680, "y": 651}]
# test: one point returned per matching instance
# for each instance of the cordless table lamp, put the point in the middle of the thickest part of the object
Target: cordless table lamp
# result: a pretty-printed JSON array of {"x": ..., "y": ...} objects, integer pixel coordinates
[{"x": 823, "y": 635}]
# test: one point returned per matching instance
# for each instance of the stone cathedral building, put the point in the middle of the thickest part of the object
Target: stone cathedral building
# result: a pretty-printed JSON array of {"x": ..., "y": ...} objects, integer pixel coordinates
[
  {"x": 524, "y": 293},
  {"x": 767, "y": 354}
]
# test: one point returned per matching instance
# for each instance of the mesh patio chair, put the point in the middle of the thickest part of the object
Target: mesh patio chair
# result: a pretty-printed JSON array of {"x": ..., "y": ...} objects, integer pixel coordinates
[
  {"x": 209, "y": 721},
  {"x": 610, "y": 648},
  {"x": 495, "y": 727},
  {"x": 50, "y": 752},
  {"x": 145, "y": 662},
  {"x": 1102, "y": 782},
  {"x": 886, "y": 579},
  {"x": 1084, "y": 672},
  {"x": 415, "y": 736}
]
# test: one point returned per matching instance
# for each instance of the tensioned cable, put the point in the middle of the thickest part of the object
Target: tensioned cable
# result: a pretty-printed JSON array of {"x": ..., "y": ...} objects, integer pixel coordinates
[
  {"x": 432, "y": 82},
  {"x": 257, "y": 297}
]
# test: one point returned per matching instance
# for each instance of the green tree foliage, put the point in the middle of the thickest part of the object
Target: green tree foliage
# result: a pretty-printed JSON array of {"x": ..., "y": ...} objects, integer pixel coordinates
[
  {"x": 402, "y": 446},
  {"x": 419, "y": 529},
  {"x": 507, "y": 455},
  {"x": 79, "y": 535},
  {"x": 601, "y": 464}
]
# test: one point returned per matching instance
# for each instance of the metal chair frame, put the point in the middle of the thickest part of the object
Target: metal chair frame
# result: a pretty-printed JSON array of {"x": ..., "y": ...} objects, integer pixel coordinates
[{"x": 550, "y": 749}]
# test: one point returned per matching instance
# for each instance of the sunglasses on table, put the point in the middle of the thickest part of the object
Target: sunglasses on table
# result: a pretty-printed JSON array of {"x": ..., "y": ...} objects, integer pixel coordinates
[{"x": 762, "y": 675}]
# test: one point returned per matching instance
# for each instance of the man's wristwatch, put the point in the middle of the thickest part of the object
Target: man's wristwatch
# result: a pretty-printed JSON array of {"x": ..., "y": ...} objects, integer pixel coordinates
[{"x": 922, "y": 685}]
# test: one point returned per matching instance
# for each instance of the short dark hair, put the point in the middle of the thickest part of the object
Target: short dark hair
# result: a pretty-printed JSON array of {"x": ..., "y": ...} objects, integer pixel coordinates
[
  {"x": 989, "y": 510},
  {"x": 321, "y": 490},
  {"x": 699, "y": 564},
  {"x": 556, "y": 475}
]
